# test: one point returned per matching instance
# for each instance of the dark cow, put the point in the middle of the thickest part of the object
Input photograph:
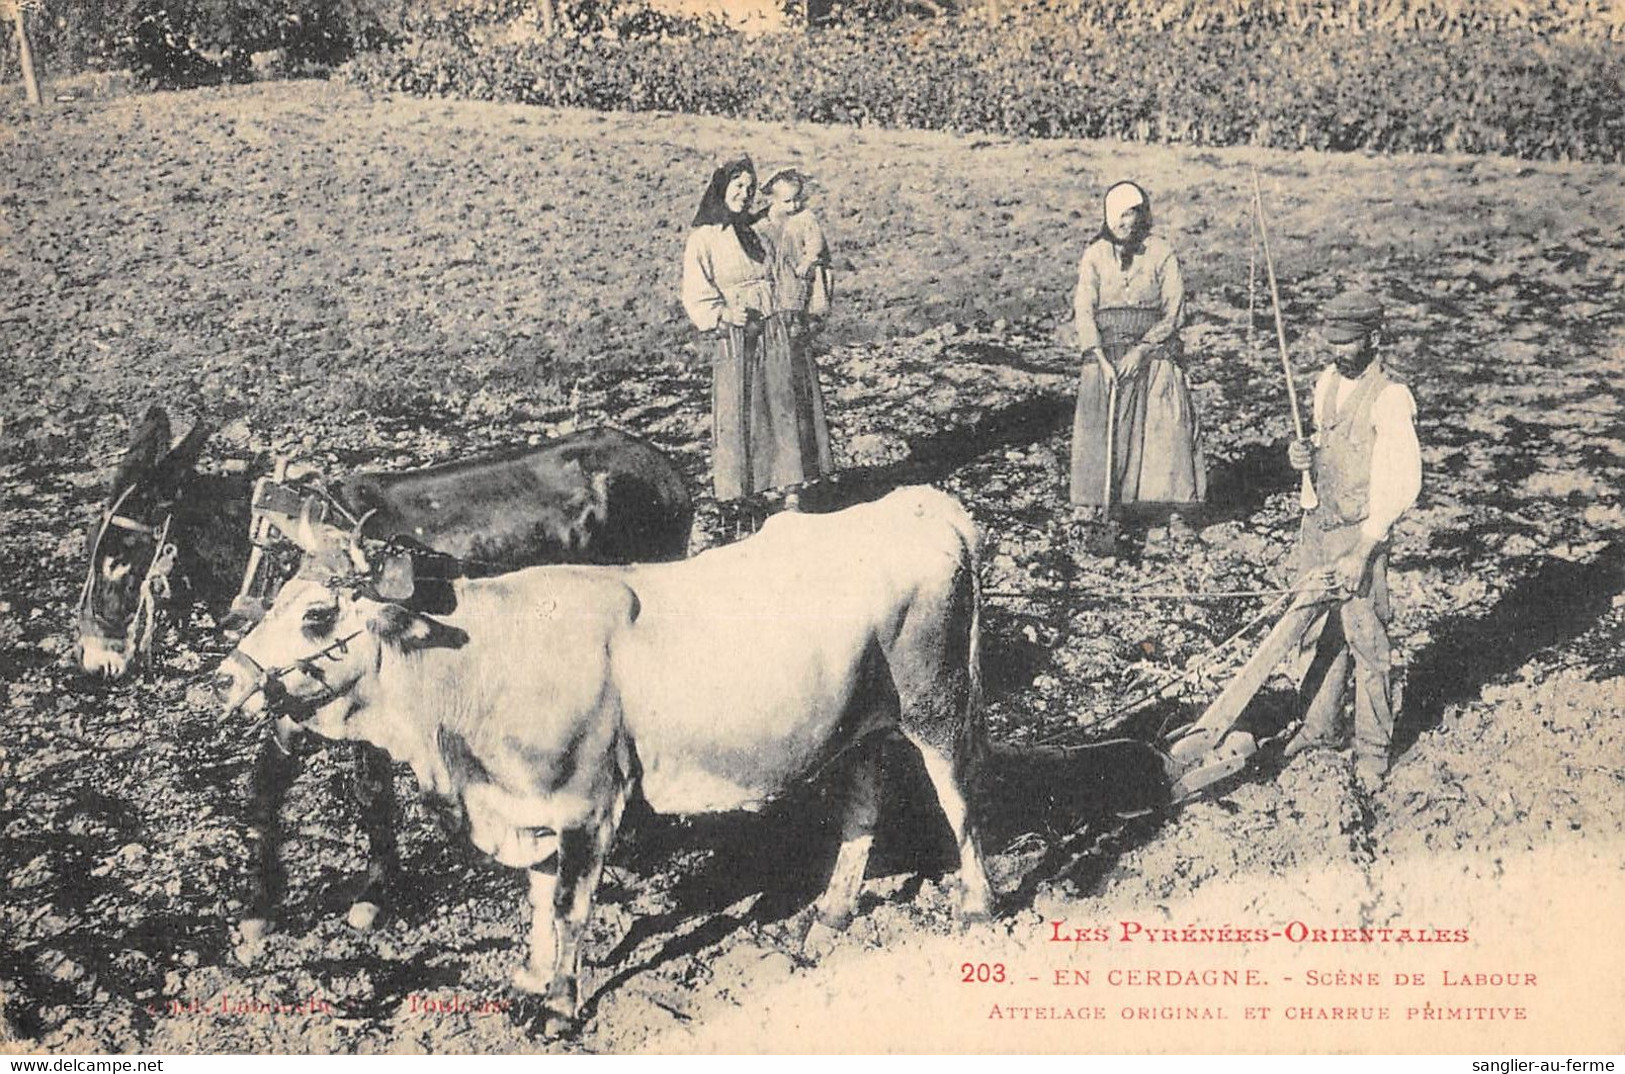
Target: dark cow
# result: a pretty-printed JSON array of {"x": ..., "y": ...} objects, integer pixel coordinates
[
  {"x": 596, "y": 496},
  {"x": 549, "y": 696}
]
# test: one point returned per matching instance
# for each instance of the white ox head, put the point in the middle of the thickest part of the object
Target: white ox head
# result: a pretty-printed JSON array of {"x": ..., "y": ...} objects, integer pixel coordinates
[{"x": 324, "y": 634}]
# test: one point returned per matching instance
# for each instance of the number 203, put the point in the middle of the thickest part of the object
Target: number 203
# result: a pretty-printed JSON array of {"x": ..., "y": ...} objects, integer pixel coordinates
[{"x": 982, "y": 973}]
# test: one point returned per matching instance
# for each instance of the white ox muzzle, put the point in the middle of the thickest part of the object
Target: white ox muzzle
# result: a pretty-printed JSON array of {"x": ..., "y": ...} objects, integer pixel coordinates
[{"x": 245, "y": 685}]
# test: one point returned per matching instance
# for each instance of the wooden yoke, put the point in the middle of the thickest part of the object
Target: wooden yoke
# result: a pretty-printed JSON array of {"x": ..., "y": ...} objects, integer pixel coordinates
[{"x": 263, "y": 532}]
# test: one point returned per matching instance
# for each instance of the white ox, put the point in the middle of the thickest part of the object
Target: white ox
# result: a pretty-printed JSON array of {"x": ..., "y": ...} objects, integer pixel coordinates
[{"x": 549, "y": 695}]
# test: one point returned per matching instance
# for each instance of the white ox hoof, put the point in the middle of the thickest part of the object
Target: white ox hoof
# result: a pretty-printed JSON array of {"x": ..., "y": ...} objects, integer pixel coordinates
[
  {"x": 821, "y": 938},
  {"x": 554, "y": 1000},
  {"x": 559, "y": 993},
  {"x": 363, "y": 915},
  {"x": 975, "y": 909},
  {"x": 251, "y": 932}
]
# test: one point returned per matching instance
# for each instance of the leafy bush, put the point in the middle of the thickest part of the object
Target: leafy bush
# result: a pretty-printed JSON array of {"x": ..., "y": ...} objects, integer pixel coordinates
[
  {"x": 191, "y": 42},
  {"x": 1520, "y": 94}
]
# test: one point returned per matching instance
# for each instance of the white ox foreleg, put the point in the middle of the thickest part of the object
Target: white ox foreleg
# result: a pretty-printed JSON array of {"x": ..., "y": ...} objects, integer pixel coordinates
[
  {"x": 561, "y": 893},
  {"x": 537, "y": 974},
  {"x": 582, "y": 852}
]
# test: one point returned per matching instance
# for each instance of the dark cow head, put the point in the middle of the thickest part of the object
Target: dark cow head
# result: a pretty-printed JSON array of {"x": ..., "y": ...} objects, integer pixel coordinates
[
  {"x": 585, "y": 512},
  {"x": 129, "y": 549},
  {"x": 323, "y": 637}
]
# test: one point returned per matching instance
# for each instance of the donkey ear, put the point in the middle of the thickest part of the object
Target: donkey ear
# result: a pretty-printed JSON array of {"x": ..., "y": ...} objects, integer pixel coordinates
[
  {"x": 182, "y": 459},
  {"x": 147, "y": 445}
]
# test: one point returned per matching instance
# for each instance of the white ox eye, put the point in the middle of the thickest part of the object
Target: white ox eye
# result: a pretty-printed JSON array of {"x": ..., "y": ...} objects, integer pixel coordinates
[{"x": 319, "y": 618}]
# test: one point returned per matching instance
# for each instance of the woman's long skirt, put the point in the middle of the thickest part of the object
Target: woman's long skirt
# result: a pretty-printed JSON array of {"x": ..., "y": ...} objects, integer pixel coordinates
[
  {"x": 768, "y": 426},
  {"x": 1157, "y": 454}
]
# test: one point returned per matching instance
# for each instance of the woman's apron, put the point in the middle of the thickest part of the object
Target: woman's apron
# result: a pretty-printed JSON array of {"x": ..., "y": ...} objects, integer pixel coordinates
[{"x": 1154, "y": 445}]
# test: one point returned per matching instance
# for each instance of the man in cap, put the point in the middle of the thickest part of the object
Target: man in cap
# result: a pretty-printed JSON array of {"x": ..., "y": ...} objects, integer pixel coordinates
[{"x": 1366, "y": 471}]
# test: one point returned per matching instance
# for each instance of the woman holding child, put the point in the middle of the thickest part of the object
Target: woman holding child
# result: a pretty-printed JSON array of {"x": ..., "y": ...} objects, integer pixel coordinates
[{"x": 768, "y": 426}]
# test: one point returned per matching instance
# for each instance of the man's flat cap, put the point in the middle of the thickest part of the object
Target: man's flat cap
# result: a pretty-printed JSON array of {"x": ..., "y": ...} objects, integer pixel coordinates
[{"x": 1350, "y": 315}]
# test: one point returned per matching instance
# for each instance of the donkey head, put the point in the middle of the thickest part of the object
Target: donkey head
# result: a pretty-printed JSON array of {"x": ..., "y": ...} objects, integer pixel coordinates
[{"x": 125, "y": 547}]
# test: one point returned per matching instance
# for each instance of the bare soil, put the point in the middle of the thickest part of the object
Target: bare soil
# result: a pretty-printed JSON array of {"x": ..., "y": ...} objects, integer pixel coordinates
[{"x": 399, "y": 282}]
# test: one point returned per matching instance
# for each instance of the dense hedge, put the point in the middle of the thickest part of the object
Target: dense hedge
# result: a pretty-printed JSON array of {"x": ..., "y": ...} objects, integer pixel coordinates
[
  {"x": 1407, "y": 75},
  {"x": 1517, "y": 93}
]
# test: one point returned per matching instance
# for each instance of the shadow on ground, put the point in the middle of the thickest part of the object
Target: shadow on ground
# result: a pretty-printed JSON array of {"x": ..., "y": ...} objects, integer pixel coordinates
[
  {"x": 936, "y": 457},
  {"x": 1238, "y": 487},
  {"x": 1053, "y": 795},
  {"x": 1556, "y": 602}
]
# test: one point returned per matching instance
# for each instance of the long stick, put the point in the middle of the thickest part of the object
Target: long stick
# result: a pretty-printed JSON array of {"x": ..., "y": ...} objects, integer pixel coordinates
[
  {"x": 1309, "y": 498},
  {"x": 1132, "y": 594}
]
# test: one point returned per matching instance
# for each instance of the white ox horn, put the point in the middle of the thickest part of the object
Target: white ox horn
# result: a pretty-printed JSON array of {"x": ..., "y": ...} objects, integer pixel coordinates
[{"x": 358, "y": 555}]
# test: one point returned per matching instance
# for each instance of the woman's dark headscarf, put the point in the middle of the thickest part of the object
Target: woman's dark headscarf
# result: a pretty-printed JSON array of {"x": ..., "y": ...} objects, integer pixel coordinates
[
  {"x": 1126, "y": 248},
  {"x": 714, "y": 207}
]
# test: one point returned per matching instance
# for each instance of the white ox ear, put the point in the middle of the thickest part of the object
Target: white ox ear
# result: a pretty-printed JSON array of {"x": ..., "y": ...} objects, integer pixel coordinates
[
  {"x": 409, "y": 631},
  {"x": 398, "y": 625}
]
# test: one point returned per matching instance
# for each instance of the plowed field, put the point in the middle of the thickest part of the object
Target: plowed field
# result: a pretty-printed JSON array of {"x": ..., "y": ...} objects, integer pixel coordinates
[{"x": 398, "y": 282}]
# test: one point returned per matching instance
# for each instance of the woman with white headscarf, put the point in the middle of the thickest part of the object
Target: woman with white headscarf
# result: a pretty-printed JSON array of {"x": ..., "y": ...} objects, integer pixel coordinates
[{"x": 1128, "y": 306}]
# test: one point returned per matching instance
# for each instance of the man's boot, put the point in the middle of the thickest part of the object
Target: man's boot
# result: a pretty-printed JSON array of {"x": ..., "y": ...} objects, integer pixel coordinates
[
  {"x": 1369, "y": 773},
  {"x": 1306, "y": 741}
]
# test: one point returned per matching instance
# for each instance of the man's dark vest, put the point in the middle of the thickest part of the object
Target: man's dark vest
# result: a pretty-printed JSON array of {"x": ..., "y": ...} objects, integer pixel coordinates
[
  {"x": 1342, "y": 476},
  {"x": 1342, "y": 470}
]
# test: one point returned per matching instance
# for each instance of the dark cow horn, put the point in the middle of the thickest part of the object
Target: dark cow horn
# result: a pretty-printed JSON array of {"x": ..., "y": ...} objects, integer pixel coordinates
[
  {"x": 183, "y": 457},
  {"x": 148, "y": 443}
]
